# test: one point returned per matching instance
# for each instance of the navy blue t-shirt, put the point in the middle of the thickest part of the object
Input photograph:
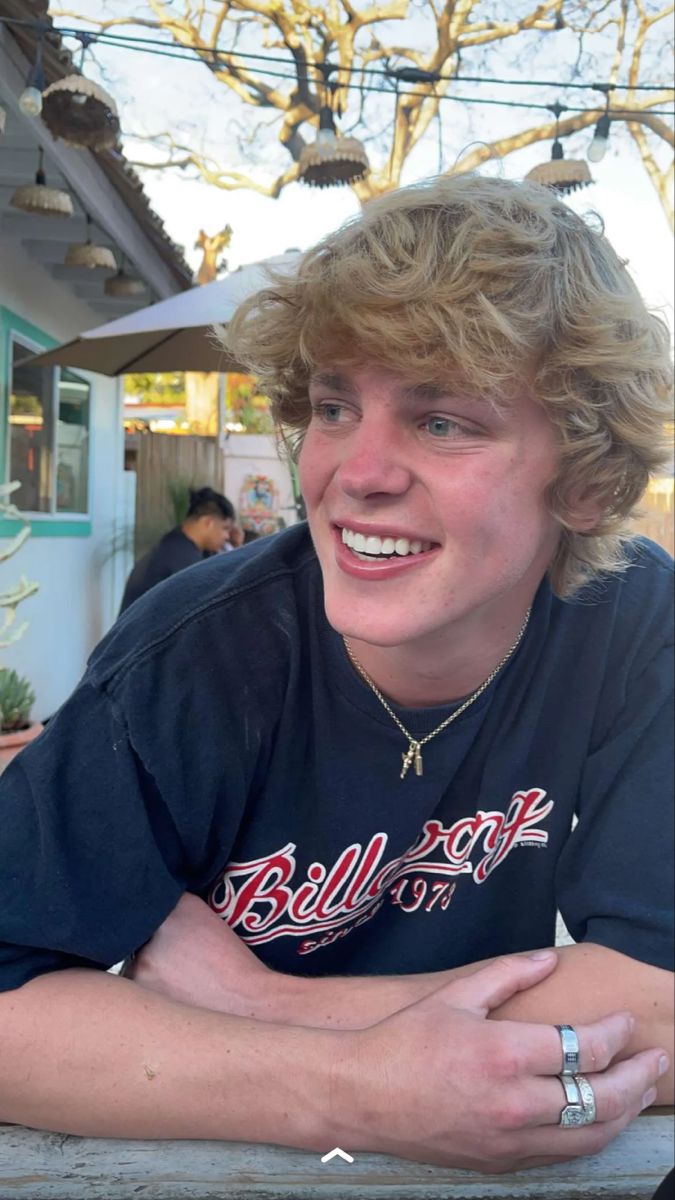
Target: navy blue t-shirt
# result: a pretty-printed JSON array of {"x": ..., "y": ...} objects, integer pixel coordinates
[{"x": 222, "y": 743}]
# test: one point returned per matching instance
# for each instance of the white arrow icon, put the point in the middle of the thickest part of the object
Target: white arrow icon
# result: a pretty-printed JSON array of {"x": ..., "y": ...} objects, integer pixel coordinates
[{"x": 337, "y": 1151}]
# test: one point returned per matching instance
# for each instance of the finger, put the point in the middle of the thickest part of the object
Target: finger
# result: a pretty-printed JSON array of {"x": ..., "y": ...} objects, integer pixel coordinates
[
  {"x": 537, "y": 1050},
  {"x": 541, "y": 1146},
  {"x": 495, "y": 983},
  {"x": 624, "y": 1089}
]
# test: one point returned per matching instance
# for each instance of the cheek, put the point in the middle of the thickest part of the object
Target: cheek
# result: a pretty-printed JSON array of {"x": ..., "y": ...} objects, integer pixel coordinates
[{"x": 311, "y": 472}]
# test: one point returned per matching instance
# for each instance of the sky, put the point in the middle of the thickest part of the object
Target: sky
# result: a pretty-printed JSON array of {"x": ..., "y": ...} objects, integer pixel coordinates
[{"x": 206, "y": 114}]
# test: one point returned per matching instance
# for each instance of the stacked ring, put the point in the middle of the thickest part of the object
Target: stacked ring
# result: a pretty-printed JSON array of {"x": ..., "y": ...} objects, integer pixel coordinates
[
  {"x": 570, "y": 1049},
  {"x": 573, "y": 1113},
  {"x": 580, "y": 1108},
  {"x": 587, "y": 1098}
]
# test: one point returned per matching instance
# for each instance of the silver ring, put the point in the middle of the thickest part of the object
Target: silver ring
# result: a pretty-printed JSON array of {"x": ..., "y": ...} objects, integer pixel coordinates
[
  {"x": 587, "y": 1098},
  {"x": 573, "y": 1114},
  {"x": 570, "y": 1049}
]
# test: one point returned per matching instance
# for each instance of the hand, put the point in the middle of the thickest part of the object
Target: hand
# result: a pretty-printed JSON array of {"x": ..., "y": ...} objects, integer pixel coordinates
[
  {"x": 439, "y": 1083},
  {"x": 236, "y": 536},
  {"x": 195, "y": 958}
]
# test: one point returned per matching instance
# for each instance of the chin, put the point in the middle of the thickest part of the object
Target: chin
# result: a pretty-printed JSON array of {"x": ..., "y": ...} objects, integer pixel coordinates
[{"x": 374, "y": 628}]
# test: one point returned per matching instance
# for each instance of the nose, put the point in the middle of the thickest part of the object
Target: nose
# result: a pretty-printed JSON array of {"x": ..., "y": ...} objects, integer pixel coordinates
[{"x": 374, "y": 462}]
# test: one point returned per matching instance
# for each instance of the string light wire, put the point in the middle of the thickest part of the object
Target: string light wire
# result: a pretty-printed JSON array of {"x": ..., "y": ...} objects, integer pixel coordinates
[{"x": 390, "y": 76}]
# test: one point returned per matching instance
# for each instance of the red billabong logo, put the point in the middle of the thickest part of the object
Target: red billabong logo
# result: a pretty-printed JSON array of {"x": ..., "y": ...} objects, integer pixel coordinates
[{"x": 258, "y": 900}]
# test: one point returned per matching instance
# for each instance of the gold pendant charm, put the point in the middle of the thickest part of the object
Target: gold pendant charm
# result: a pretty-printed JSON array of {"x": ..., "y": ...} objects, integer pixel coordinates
[{"x": 412, "y": 755}]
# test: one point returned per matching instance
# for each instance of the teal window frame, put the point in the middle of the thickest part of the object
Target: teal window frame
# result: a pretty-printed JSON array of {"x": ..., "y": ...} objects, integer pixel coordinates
[{"x": 13, "y": 327}]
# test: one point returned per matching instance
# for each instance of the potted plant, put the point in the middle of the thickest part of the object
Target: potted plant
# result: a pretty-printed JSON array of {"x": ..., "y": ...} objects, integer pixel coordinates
[{"x": 16, "y": 694}]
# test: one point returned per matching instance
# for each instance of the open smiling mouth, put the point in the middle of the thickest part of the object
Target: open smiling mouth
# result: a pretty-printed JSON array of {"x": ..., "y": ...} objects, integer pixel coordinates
[{"x": 372, "y": 548}]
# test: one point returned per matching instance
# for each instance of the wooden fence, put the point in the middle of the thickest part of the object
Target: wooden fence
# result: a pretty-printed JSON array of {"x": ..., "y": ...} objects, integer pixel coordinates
[{"x": 163, "y": 461}]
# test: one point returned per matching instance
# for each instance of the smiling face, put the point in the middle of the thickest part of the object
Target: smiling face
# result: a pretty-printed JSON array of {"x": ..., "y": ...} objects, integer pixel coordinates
[{"x": 426, "y": 507}]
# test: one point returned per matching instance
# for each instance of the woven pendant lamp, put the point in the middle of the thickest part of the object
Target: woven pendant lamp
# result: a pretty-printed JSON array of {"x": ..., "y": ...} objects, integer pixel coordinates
[
  {"x": 123, "y": 284},
  {"x": 564, "y": 175},
  {"x": 332, "y": 160},
  {"x": 41, "y": 200},
  {"x": 88, "y": 254},
  {"x": 81, "y": 113}
]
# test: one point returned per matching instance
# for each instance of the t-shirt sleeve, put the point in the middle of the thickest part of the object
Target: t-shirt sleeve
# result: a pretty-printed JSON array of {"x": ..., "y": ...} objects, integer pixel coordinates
[
  {"x": 614, "y": 879},
  {"x": 91, "y": 859}
]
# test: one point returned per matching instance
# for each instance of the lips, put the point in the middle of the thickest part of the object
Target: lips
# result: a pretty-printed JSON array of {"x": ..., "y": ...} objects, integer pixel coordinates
[{"x": 384, "y": 554}]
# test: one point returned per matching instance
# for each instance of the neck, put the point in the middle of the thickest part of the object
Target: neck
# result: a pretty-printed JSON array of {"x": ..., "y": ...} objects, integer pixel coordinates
[
  {"x": 191, "y": 531},
  {"x": 419, "y": 675}
]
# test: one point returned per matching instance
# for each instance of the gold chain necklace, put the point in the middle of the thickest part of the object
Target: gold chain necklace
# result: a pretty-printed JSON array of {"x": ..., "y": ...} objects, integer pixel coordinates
[{"x": 414, "y": 752}]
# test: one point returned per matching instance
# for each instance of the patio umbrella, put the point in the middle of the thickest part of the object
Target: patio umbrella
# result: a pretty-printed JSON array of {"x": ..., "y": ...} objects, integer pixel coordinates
[{"x": 174, "y": 335}]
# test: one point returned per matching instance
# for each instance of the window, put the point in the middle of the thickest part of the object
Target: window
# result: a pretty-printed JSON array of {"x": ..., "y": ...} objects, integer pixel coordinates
[{"x": 49, "y": 422}]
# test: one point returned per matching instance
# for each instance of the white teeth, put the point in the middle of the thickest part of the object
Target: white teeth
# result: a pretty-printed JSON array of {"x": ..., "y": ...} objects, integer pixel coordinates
[{"x": 373, "y": 546}]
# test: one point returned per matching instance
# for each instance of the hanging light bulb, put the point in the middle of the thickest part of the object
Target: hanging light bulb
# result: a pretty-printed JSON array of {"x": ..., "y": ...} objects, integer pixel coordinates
[
  {"x": 326, "y": 137},
  {"x": 30, "y": 100},
  {"x": 598, "y": 147}
]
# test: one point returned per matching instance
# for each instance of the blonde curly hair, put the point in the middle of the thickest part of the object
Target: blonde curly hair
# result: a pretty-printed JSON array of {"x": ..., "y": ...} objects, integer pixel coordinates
[{"x": 490, "y": 282}]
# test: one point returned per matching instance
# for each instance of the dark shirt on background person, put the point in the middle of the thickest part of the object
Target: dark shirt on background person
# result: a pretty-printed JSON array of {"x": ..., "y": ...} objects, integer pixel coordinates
[
  {"x": 173, "y": 552},
  {"x": 205, "y": 531}
]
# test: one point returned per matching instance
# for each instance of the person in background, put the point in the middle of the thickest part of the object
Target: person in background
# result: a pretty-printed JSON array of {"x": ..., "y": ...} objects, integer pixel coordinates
[
  {"x": 206, "y": 530},
  {"x": 235, "y": 539}
]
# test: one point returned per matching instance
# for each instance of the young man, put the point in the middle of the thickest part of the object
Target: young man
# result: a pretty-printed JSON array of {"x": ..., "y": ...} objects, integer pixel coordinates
[
  {"x": 206, "y": 530},
  {"x": 325, "y": 790}
]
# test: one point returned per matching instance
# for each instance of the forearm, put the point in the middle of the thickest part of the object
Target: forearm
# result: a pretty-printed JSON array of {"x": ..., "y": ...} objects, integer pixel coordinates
[
  {"x": 95, "y": 1055},
  {"x": 588, "y": 983},
  {"x": 591, "y": 981}
]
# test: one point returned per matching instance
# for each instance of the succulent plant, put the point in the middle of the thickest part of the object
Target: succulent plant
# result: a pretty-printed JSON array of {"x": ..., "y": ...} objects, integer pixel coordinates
[{"x": 16, "y": 700}]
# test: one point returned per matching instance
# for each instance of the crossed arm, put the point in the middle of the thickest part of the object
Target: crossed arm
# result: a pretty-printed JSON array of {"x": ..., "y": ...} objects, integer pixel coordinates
[
  {"x": 206, "y": 1042},
  {"x": 196, "y": 958}
]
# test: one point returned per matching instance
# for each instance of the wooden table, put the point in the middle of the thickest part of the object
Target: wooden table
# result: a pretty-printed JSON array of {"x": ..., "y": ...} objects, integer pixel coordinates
[{"x": 47, "y": 1166}]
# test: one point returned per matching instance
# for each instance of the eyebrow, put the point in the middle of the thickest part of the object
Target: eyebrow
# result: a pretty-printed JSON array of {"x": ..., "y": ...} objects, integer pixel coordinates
[
  {"x": 335, "y": 381},
  {"x": 415, "y": 393}
]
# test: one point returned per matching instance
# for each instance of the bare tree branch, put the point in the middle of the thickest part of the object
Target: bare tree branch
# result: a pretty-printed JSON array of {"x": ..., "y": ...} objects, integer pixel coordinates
[{"x": 328, "y": 45}]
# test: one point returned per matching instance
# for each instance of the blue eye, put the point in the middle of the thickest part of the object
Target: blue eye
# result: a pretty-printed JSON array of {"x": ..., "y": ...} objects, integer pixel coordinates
[
  {"x": 331, "y": 413},
  {"x": 442, "y": 427}
]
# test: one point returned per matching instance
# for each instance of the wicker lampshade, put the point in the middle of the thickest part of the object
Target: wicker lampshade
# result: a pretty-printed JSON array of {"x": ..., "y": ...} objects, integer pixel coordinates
[
  {"x": 564, "y": 175},
  {"x": 88, "y": 254},
  {"x": 81, "y": 113},
  {"x": 332, "y": 160},
  {"x": 41, "y": 200},
  {"x": 122, "y": 284}
]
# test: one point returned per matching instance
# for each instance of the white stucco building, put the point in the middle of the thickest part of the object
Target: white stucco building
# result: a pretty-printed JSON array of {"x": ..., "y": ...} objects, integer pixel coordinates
[{"x": 61, "y": 431}]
